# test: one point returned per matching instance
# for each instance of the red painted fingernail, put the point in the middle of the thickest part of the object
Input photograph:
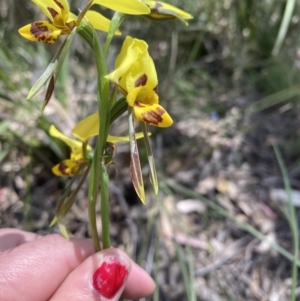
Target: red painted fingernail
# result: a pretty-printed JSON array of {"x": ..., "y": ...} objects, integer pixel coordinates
[{"x": 110, "y": 276}]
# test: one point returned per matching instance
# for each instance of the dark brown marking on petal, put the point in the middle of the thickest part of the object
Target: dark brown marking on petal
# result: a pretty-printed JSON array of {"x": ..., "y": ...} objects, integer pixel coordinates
[
  {"x": 38, "y": 30},
  {"x": 153, "y": 117},
  {"x": 58, "y": 4},
  {"x": 141, "y": 81},
  {"x": 155, "y": 89},
  {"x": 63, "y": 168},
  {"x": 52, "y": 11},
  {"x": 41, "y": 32}
]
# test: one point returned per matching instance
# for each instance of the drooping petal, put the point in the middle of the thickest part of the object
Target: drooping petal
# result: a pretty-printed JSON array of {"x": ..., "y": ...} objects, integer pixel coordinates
[
  {"x": 40, "y": 31},
  {"x": 130, "y": 7},
  {"x": 152, "y": 114},
  {"x": 89, "y": 127},
  {"x": 98, "y": 21},
  {"x": 76, "y": 146}
]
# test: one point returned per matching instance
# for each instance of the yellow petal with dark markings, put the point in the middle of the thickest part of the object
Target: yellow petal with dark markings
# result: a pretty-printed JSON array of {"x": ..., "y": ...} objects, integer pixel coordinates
[
  {"x": 153, "y": 114},
  {"x": 41, "y": 31},
  {"x": 48, "y": 7},
  {"x": 65, "y": 168}
]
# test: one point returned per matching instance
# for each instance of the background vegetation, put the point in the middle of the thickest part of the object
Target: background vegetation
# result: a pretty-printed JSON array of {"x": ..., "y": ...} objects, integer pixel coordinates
[{"x": 224, "y": 225}]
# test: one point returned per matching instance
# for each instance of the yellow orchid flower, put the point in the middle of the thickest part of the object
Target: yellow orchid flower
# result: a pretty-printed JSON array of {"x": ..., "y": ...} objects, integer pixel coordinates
[
  {"x": 162, "y": 10},
  {"x": 69, "y": 166},
  {"x": 84, "y": 130},
  {"x": 62, "y": 21},
  {"x": 136, "y": 77}
]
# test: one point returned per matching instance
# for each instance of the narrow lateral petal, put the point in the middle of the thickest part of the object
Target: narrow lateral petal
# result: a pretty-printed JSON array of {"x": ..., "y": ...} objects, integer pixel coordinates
[
  {"x": 118, "y": 139},
  {"x": 87, "y": 128},
  {"x": 76, "y": 146},
  {"x": 130, "y": 7},
  {"x": 40, "y": 31},
  {"x": 98, "y": 21},
  {"x": 153, "y": 114}
]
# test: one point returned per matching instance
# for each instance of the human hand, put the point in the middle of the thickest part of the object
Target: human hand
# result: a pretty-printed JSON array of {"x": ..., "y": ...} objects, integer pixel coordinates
[{"x": 42, "y": 268}]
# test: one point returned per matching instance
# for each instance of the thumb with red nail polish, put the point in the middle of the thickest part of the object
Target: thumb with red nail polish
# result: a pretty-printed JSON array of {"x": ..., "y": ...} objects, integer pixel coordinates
[
  {"x": 110, "y": 277},
  {"x": 106, "y": 276}
]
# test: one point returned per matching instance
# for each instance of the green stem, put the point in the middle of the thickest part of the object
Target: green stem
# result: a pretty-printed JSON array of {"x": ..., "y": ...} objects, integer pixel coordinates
[
  {"x": 98, "y": 173},
  {"x": 92, "y": 198},
  {"x": 105, "y": 207}
]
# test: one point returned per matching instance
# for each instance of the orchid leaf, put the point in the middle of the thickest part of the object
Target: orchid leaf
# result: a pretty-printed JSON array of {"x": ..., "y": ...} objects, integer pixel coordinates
[
  {"x": 153, "y": 175},
  {"x": 42, "y": 80},
  {"x": 52, "y": 71},
  {"x": 135, "y": 166}
]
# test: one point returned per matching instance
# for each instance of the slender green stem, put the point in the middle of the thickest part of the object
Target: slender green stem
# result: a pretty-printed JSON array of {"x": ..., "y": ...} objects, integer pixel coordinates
[
  {"x": 292, "y": 218},
  {"x": 99, "y": 174},
  {"x": 105, "y": 207},
  {"x": 92, "y": 198}
]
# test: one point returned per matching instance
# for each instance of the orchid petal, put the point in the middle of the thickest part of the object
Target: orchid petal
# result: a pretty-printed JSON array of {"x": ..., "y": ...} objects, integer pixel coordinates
[
  {"x": 40, "y": 31},
  {"x": 130, "y": 7},
  {"x": 142, "y": 73},
  {"x": 76, "y": 146},
  {"x": 153, "y": 114},
  {"x": 48, "y": 7},
  {"x": 162, "y": 10},
  {"x": 131, "y": 50},
  {"x": 66, "y": 168},
  {"x": 89, "y": 127},
  {"x": 98, "y": 21}
]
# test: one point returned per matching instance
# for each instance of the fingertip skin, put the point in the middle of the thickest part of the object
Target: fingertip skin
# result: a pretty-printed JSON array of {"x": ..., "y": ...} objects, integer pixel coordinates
[
  {"x": 34, "y": 270},
  {"x": 80, "y": 286}
]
